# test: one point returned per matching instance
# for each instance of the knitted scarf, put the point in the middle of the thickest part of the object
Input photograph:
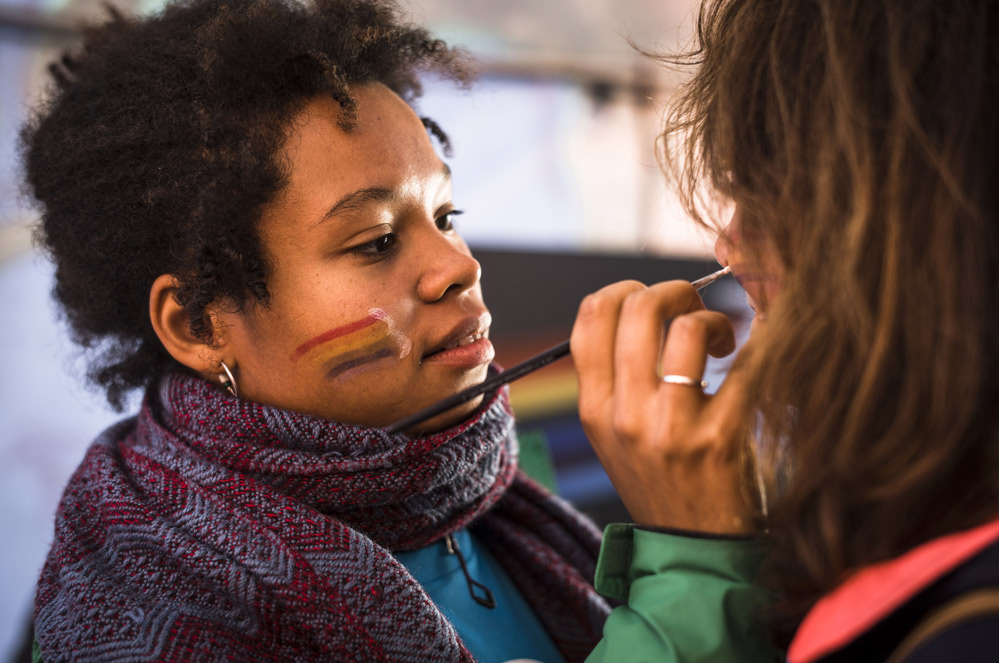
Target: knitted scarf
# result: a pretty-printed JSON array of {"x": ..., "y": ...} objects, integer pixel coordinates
[{"x": 209, "y": 528}]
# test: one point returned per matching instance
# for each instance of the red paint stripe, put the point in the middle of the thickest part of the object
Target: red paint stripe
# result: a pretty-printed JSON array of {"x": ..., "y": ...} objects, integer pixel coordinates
[{"x": 338, "y": 332}]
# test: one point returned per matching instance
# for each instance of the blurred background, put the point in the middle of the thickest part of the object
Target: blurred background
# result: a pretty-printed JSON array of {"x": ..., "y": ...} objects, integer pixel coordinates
[{"x": 554, "y": 165}]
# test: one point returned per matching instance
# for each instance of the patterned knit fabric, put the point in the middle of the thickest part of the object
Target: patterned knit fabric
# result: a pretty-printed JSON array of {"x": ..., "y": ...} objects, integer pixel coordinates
[{"x": 215, "y": 529}]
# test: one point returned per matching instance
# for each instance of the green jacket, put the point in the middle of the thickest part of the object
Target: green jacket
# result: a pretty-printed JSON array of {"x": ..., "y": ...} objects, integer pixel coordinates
[{"x": 688, "y": 599}]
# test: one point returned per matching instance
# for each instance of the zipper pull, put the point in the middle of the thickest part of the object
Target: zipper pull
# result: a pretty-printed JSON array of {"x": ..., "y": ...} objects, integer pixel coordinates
[{"x": 488, "y": 601}]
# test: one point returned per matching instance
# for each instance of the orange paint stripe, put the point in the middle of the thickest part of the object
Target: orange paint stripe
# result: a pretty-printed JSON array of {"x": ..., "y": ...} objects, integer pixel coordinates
[
  {"x": 363, "y": 338},
  {"x": 337, "y": 332}
]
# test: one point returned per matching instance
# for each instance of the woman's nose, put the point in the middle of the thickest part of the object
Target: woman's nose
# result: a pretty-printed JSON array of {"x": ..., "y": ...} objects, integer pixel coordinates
[
  {"x": 729, "y": 235},
  {"x": 723, "y": 248},
  {"x": 450, "y": 268}
]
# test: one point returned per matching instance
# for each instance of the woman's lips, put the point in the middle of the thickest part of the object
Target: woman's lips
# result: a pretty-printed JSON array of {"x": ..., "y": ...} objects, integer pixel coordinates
[
  {"x": 468, "y": 355},
  {"x": 466, "y": 344},
  {"x": 759, "y": 287}
]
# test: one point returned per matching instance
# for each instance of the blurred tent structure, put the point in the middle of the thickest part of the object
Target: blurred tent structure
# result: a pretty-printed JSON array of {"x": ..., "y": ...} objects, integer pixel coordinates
[
  {"x": 554, "y": 165},
  {"x": 554, "y": 145}
]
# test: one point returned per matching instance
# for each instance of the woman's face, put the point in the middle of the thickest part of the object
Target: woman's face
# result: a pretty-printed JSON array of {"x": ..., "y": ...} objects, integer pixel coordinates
[
  {"x": 758, "y": 271},
  {"x": 375, "y": 306}
]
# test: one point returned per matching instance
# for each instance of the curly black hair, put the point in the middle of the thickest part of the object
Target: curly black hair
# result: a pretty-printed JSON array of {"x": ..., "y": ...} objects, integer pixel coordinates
[{"x": 156, "y": 152}]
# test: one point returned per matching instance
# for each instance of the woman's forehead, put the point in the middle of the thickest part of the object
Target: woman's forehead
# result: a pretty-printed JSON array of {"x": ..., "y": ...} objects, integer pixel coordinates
[{"x": 388, "y": 140}]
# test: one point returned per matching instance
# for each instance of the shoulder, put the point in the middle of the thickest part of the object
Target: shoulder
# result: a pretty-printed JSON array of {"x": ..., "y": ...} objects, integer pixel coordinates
[
  {"x": 962, "y": 626},
  {"x": 946, "y": 612},
  {"x": 958, "y": 618},
  {"x": 972, "y": 640}
]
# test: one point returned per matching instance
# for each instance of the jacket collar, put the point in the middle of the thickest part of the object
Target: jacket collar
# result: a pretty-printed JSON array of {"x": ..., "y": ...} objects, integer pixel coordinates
[{"x": 869, "y": 595}]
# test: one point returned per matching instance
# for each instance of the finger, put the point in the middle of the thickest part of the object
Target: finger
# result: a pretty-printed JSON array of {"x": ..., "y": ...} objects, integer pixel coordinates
[
  {"x": 640, "y": 333},
  {"x": 691, "y": 338},
  {"x": 592, "y": 342},
  {"x": 726, "y": 410},
  {"x": 728, "y": 406}
]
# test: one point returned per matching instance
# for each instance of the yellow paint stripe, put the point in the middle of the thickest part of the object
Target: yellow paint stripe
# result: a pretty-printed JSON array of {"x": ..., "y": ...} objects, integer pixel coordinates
[{"x": 352, "y": 342}]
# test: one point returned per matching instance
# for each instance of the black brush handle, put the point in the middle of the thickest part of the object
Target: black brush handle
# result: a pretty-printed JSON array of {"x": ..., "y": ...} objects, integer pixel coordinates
[
  {"x": 498, "y": 380},
  {"x": 509, "y": 375}
]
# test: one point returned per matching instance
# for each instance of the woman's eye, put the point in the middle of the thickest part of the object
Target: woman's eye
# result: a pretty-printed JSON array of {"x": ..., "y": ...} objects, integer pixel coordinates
[
  {"x": 377, "y": 247},
  {"x": 445, "y": 222}
]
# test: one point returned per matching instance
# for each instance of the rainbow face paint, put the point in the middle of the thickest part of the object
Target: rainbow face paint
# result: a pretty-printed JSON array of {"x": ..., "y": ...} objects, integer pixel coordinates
[{"x": 354, "y": 345}]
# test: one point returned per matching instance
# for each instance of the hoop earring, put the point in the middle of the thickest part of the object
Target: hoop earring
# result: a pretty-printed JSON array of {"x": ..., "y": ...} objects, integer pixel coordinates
[{"x": 227, "y": 380}]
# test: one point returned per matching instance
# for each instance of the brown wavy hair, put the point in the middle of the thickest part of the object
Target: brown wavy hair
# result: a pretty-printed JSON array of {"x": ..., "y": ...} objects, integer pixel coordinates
[{"x": 859, "y": 139}]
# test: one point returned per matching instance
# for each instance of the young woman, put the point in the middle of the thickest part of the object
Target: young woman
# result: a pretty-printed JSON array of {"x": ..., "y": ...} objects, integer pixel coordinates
[
  {"x": 250, "y": 223},
  {"x": 856, "y": 141}
]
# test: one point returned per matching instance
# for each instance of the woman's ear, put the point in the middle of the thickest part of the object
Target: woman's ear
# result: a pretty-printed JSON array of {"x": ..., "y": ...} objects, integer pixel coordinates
[{"x": 173, "y": 327}]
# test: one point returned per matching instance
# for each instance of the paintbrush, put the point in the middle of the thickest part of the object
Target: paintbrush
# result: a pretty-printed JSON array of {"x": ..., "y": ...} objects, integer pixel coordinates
[{"x": 515, "y": 373}]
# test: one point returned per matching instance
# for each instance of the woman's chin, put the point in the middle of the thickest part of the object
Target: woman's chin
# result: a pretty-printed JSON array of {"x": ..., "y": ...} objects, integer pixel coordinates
[{"x": 446, "y": 420}]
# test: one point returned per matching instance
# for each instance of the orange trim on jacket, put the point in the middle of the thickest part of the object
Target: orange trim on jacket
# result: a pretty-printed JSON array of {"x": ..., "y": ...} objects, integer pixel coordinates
[{"x": 874, "y": 592}]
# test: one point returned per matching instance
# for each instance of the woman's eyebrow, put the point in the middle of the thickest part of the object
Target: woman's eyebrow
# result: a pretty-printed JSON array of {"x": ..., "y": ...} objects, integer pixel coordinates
[
  {"x": 374, "y": 194},
  {"x": 358, "y": 199}
]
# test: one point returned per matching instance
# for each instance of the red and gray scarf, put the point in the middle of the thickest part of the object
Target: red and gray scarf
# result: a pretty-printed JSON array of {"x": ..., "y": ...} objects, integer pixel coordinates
[{"x": 215, "y": 529}]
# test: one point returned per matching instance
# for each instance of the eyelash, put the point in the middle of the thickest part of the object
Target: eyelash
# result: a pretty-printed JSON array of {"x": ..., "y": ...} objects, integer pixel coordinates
[
  {"x": 447, "y": 220},
  {"x": 384, "y": 246},
  {"x": 381, "y": 247}
]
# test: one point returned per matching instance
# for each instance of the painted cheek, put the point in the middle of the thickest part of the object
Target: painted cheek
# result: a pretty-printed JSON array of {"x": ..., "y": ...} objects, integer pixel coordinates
[{"x": 355, "y": 347}]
